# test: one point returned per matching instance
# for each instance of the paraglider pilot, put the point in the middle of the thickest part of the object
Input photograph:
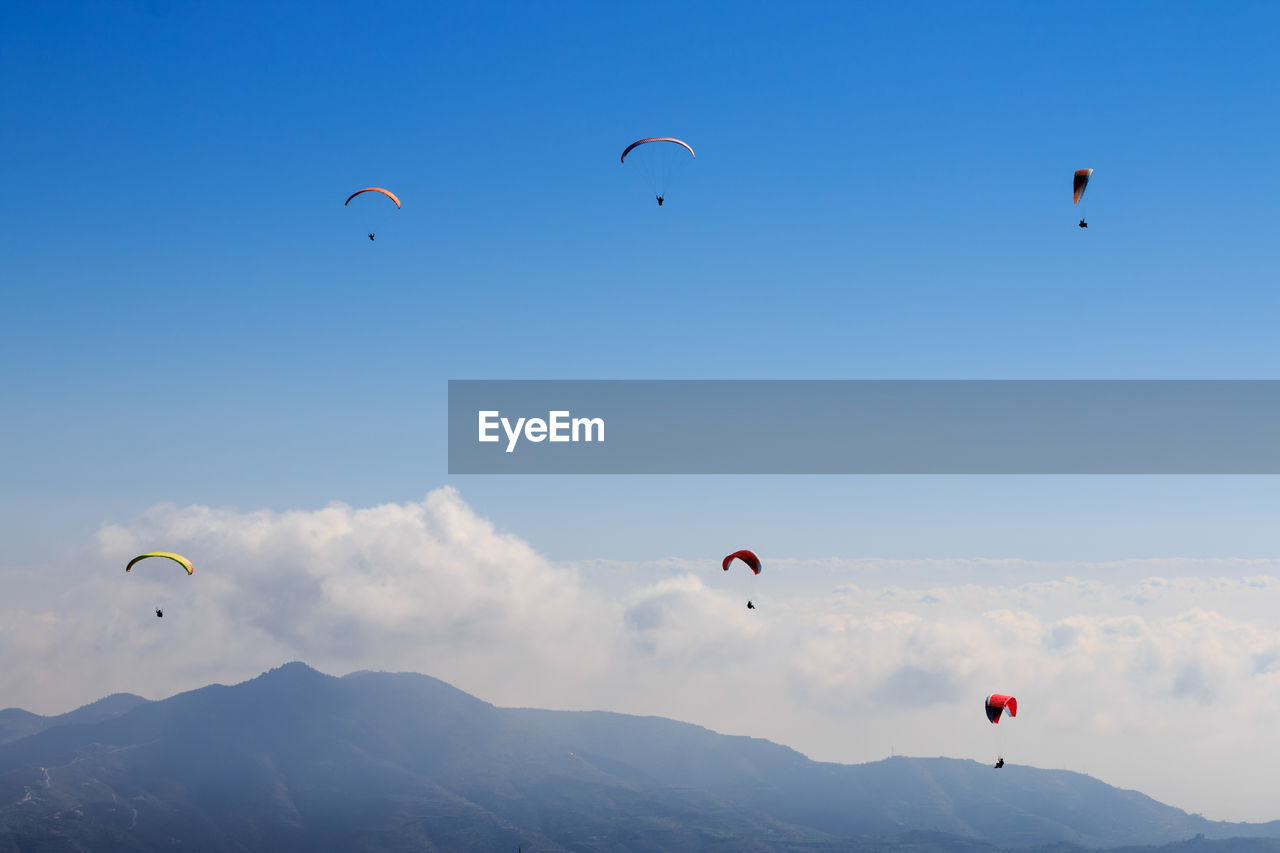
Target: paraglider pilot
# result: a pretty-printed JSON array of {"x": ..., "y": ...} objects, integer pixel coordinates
[
  {"x": 999, "y": 763},
  {"x": 370, "y": 236},
  {"x": 750, "y": 606},
  {"x": 659, "y": 198},
  {"x": 1084, "y": 224},
  {"x": 159, "y": 613}
]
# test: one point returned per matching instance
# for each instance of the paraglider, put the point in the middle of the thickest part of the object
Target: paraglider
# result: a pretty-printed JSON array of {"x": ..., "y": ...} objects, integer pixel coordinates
[
  {"x": 1078, "y": 186},
  {"x": 995, "y": 705},
  {"x": 177, "y": 558},
  {"x": 752, "y": 562},
  {"x": 388, "y": 193},
  {"x": 660, "y": 163}
]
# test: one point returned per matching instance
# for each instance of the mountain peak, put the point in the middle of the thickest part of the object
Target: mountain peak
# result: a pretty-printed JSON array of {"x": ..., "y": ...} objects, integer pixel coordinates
[
  {"x": 293, "y": 667},
  {"x": 294, "y": 673}
]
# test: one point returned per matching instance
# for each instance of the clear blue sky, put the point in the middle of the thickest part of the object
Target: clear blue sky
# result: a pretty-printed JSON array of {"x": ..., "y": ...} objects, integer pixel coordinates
[{"x": 881, "y": 191}]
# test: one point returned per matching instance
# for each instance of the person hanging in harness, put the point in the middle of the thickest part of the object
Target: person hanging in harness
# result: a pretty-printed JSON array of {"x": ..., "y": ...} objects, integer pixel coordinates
[
  {"x": 659, "y": 198},
  {"x": 999, "y": 763},
  {"x": 1084, "y": 224},
  {"x": 159, "y": 613},
  {"x": 750, "y": 606}
]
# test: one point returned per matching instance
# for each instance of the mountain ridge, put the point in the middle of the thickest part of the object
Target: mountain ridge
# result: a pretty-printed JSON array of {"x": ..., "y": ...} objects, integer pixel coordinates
[
  {"x": 295, "y": 759},
  {"x": 17, "y": 723}
]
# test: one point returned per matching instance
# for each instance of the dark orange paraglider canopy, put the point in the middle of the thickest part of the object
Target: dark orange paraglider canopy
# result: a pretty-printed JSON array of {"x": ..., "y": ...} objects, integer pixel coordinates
[
  {"x": 745, "y": 556},
  {"x": 1078, "y": 185},
  {"x": 387, "y": 193}
]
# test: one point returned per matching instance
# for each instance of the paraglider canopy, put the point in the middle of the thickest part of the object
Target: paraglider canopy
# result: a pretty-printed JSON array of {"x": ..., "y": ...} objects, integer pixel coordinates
[
  {"x": 748, "y": 557},
  {"x": 177, "y": 558},
  {"x": 997, "y": 703},
  {"x": 387, "y": 193},
  {"x": 1079, "y": 184},
  {"x": 649, "y": 139}
]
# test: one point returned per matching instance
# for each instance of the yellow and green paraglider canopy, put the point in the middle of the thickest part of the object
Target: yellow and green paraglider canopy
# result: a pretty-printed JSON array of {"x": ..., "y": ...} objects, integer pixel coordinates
[{"x": 177, "y": 558}]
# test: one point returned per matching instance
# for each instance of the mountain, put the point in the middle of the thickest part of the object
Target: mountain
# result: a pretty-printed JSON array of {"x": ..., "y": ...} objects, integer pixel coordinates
[
  {"x": 16, "y": 723},
  {"x": 295, "y": 760}
]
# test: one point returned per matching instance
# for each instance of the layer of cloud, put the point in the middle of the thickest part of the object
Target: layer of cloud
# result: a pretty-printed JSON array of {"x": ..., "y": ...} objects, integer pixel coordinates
[{"x": 1162, "y": 676}]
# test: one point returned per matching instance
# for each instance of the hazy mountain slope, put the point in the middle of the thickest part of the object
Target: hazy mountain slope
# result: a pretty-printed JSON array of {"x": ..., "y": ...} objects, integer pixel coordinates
[
  {"x": 16, "y": 723},
  {"x": 1016, "y": 806},
  {"x": 297, "y": 760}
]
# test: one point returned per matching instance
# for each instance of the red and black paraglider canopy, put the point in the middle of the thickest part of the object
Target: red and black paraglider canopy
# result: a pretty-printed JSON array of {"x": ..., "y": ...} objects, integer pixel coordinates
[{"x": 997, "y": 703}]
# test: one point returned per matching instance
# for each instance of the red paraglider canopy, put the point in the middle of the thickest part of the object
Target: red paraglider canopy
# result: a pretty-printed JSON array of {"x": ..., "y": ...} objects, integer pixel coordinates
[
  {"x": 998, "y": 702},
  {"x": 747, "y": 557}
]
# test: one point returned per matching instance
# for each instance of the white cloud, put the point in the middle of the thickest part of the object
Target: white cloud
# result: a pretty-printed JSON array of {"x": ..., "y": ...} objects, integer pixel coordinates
[{"x": 1162, "y": 676}]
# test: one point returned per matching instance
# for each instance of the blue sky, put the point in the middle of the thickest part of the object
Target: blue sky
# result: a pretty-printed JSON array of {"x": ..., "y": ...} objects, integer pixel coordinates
[{"x": 193, "y": 316}]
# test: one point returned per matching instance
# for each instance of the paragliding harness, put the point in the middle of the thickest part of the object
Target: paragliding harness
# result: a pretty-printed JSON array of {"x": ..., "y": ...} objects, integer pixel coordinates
[
  {"x": 1084, "y": 224},
  {"x": 750, "y": 606},
  {"x": 659, "y": 198},
  {"x": 999, "y": 763},
  {"x": 371, "y": 236},
  {"x": 159, "y": 613}
]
